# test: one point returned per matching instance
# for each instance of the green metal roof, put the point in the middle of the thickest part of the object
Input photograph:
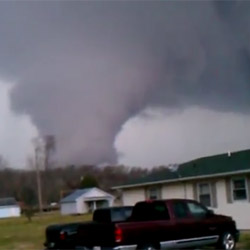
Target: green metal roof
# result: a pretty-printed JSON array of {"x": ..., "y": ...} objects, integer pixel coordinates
[{"x": 206, "y": 166}]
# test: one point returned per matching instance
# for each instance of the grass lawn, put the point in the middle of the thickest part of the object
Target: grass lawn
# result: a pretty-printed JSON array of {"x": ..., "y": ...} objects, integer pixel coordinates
[
  {"x": 18, "y": 233},
  {"x": 244, "y": 241}
]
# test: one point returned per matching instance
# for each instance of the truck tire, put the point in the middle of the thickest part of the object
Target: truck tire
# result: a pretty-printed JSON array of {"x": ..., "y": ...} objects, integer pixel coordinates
[{"x": 226, "y": 241}]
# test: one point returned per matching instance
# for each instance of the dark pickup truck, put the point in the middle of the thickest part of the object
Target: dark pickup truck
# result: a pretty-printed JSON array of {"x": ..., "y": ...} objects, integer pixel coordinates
[
  {"x": 63, "y": 236},
  {"x": 175, "y": 223}
]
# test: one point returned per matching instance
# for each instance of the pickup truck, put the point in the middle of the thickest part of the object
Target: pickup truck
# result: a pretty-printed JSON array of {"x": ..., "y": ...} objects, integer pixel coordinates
[
  {"x": 175, "y": 223},
  {"x": 62, "y": 236}
]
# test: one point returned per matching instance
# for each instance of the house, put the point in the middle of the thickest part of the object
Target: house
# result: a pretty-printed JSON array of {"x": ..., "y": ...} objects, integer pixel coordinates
[
  {"x": 221, "y": 182},
  {"x": 9, "y": 208},
  {"x": 85, "y": 200}
]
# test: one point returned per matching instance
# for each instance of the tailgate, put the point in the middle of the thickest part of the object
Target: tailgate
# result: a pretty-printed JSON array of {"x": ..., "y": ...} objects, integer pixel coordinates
[
  {"x": 53, "y": 235},
  {"x": 96, "y": 234}
]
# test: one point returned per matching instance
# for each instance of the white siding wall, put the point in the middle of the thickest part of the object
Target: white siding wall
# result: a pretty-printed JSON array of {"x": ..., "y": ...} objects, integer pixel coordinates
[
  {"x": 238, "y": 210},
  {"x": 68, "y": 208},
  {"x": 10, "y": 211},
  {"x": 189, "y": 191},
  {"x": 81, "y": 206},
  {"x": 131, "y": 196},
  {"x": 15, "y": 211},
  {"x": 172, "y": 191}
]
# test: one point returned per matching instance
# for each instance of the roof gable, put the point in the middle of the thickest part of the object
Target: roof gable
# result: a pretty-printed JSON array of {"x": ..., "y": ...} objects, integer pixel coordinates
[
  {"x": 76, "y": 194},
  {"x": 96, "y": 192},
  {"x": 216, "y": 164},
  {"x": 86, "y": 193}
]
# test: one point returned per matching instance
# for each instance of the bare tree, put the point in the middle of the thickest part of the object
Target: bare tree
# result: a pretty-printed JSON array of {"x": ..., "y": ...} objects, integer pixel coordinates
[
  {"x": 38, "y": 148},
  {"x": 44, "y": 146},
  {"x": 49, "y": 148}
]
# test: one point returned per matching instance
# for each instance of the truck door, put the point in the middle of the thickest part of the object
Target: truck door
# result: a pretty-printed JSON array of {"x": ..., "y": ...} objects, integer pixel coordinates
[
  {"x": 152, "y": 224},
  {"x": 184, "y": 222},
  {"x": 205, "y": 225},
  {"x": 165, "y": 231}
]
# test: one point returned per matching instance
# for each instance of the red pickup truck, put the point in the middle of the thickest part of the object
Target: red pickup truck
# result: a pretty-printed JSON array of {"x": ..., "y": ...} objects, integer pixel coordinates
[{"x": 175, "y": 223}]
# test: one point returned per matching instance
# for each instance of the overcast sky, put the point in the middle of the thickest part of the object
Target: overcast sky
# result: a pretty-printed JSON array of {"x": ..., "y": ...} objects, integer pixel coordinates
[
  {"x": 175, "y": 137},
  {"x": 133, "y": 82},
  {"x": 16, "y": 131}
]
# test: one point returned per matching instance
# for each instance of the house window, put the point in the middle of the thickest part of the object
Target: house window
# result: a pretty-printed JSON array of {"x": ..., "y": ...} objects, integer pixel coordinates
[
  {"x": 204, "y": 191},
  {"x": 239, "y": 187},
  {"x": 154, "y": 193}
]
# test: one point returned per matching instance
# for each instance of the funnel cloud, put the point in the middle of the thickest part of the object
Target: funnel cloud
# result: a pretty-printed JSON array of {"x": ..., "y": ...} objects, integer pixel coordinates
[{"x": 82, "y": 69}]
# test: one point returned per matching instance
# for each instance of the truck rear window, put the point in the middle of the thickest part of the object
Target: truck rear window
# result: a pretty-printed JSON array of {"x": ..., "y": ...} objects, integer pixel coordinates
[
  {"x": 121, "y": 214},
  {"x": 112, "y": 215},
  {"x": 146, "y": 211}
]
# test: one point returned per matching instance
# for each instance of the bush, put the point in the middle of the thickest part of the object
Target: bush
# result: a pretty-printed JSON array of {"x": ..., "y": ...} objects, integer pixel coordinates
[{"x": 29, "y": 213}]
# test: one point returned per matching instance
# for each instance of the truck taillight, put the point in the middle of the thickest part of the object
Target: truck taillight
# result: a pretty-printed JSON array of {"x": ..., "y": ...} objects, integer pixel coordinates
[
  {"x": 63, "y": 235},
  {"x": 118, "y": 235}
]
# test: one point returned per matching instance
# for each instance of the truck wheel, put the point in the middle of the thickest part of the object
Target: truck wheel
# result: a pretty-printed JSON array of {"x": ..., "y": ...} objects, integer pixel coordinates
[{"x": 226, "y": 241}]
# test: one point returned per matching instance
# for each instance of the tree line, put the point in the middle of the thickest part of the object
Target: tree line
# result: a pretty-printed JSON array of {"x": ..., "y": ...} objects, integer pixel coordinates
[{"x": 59, "y": 181}]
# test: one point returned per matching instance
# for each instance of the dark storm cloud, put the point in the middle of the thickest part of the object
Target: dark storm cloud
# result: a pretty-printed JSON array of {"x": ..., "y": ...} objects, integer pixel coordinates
[{"x": 83, "y": 68}]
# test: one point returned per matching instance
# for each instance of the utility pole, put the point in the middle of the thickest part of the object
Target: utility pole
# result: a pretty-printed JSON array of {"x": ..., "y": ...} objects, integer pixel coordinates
[
  {"x": 49, "y": 144},
  {"x": 38, "y": 176}
]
